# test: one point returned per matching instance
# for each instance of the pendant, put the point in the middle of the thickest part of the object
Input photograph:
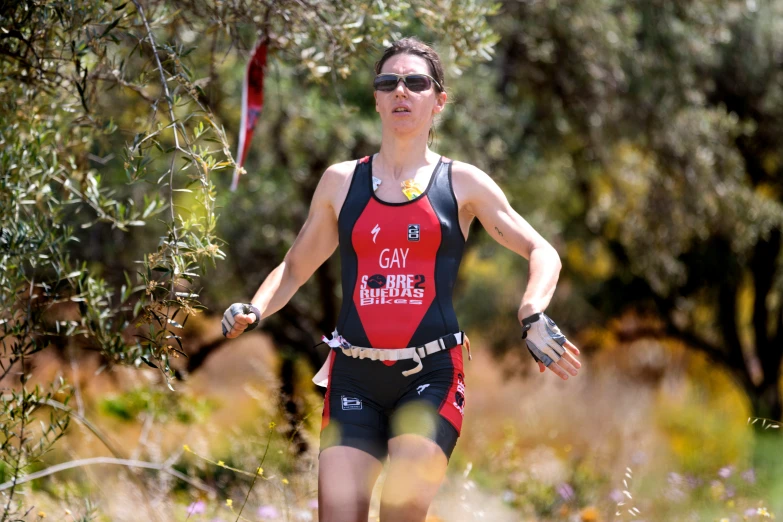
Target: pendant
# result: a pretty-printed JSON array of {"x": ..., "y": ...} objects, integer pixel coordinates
[{"x": 411, "y": 189}]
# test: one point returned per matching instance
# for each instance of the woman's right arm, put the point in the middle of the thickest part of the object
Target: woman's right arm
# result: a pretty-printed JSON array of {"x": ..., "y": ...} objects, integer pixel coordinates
[{"x": 314, "y": 244}]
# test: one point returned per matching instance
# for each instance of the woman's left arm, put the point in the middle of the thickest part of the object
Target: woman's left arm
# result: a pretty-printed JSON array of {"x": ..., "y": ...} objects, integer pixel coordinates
[{"x": 478, "y": 195}]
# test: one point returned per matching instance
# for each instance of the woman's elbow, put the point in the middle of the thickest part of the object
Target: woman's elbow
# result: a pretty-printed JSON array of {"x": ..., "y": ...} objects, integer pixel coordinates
[
  {"x": 556, "y": 262},
  {"x": 548, "y": 255},
  {"x": 295, "y": 273}
]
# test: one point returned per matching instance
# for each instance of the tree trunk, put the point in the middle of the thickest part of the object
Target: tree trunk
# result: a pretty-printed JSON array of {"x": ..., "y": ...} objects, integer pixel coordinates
[{"x": 766, "y": 402}]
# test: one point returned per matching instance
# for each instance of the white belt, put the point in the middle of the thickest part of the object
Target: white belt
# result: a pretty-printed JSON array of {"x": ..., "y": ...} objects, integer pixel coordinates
[{"x": 382, "y": 354}]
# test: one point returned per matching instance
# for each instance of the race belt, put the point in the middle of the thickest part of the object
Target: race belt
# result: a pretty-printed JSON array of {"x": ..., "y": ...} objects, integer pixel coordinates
[{"x": 417, "y": 353}]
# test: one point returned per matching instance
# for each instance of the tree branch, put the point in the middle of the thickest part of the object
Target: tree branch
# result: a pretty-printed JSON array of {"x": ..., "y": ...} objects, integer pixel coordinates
[
  {"x": 708, "y": 349},
  {"x": 169, "y": 101},
  {"x": 763, "y": 265},
  {"x": 727, "y": 314},
  {"x": 729, "y": 361},
  {"x": 87, "y": 424},
  {"x": 109, "y": 460},
  {"x": 120, "y": 81}
]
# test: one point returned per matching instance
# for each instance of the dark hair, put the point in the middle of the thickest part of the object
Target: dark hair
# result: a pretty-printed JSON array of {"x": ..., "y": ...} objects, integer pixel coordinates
[{"x": 413, "y": 46}]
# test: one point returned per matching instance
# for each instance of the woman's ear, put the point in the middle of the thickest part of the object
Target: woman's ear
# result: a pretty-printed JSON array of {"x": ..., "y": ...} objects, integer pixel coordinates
[
  {"x": 375, "y": 95},
  {"x": 440, "y": 104}
]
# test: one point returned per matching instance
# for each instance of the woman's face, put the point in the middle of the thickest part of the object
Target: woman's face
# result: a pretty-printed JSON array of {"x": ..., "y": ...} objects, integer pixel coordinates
[{"x": 405, "y": 112}]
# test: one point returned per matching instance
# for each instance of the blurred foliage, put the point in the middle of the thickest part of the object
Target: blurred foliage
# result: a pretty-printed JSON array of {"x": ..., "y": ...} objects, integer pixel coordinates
[
  {"x": 644, "y": 140},
  {"x": 700, "y": 421},
  {"x": 25, "y": 438},
  {"x": 163, "y": 407}
]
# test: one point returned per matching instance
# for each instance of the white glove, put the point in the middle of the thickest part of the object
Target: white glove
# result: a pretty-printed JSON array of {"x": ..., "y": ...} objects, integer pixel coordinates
[{"x": 544, "y": 339}]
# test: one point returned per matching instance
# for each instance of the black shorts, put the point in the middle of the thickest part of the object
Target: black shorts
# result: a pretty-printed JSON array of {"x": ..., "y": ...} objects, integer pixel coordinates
[{"x": 368, "y": 402}]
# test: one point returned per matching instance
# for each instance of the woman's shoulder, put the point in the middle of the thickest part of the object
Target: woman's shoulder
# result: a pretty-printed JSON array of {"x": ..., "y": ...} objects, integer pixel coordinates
[
  {"x": 341, "y": 170},
  {"x": 335, "y": 183},
  {"x": 462, "y": 172},
  {"x": 339, "y": 173}
]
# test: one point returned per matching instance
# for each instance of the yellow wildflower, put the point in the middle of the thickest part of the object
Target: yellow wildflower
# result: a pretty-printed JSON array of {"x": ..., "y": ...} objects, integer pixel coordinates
[
  {"x": 285, "y": 481},
  {"x": 221, "y": 464},
  {"x": 229, "y": 502}
]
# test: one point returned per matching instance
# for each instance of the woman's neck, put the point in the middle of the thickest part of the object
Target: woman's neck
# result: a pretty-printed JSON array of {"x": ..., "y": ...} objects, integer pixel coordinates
[{"x": 400, "y": 158}]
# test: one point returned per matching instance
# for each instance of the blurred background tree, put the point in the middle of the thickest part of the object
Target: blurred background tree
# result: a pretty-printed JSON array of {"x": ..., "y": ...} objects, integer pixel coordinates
[{"x": 667, "y": 119}]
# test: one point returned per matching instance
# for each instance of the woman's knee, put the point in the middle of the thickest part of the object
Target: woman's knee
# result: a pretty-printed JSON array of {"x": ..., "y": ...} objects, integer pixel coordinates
[
  {"x": 416, "y": 469},
  {"x": 410, "y": 511},
  {"x": 346, "y": 477},
  {"x": 417, "y": 449},
  {"x": 342, "y": 509}
]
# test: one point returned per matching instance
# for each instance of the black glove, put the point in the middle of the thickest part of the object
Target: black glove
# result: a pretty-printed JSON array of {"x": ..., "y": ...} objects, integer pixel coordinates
[{"x": 239, "y": 308}]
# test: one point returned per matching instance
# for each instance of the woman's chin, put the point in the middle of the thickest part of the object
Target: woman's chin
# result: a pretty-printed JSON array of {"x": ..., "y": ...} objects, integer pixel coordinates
[{"x": 401, "y": 128}]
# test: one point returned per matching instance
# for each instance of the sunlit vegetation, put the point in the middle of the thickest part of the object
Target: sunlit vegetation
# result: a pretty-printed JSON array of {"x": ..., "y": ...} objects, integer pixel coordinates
[{"x": 643, "y": 139}]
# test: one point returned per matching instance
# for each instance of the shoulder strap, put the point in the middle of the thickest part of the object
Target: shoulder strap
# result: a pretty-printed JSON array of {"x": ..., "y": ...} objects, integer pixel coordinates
[
  {"x": 359, "y": 193},
  {"x": 441, "y": 194}
]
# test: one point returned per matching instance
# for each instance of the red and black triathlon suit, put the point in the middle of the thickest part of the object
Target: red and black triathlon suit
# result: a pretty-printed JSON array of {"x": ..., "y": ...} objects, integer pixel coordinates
[{"x": 399, "y": 266}]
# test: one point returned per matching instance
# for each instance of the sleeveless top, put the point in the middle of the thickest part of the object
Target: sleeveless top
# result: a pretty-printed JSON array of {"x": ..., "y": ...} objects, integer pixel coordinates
[{"x": 399, "y": 262}]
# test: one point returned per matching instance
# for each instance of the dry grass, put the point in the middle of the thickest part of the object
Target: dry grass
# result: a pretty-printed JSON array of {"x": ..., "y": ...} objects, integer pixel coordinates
[{"x": 533, "y": 448}]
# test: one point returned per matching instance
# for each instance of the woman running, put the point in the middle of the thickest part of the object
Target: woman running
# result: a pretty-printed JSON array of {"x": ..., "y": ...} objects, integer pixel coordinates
[{"x": 394, "y": 376}]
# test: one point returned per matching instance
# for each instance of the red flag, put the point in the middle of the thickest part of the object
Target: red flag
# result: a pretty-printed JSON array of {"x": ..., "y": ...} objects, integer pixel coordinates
[{"x": 252, "y": 103}]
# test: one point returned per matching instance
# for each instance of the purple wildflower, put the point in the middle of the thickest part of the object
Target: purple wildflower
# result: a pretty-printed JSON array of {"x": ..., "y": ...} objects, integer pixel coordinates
[
  {"x": 675, "y": 491},
  {"x": 726, "y": 472},
  {"x": 565, "y": 491},
  {"x": 693, "y": 481},
  {"x": 313, "y": 503},
  {"x": 197, "y": 508},
  {"x": 268, "y": 512},
  {"x": 639, "y": 457},
  {"x": 616, "y": 495},
  {"x": 749, "y": 476}
]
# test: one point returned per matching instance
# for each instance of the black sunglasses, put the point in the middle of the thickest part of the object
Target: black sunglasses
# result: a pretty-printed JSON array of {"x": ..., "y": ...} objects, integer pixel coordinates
[{"x": 415, "y": 82}]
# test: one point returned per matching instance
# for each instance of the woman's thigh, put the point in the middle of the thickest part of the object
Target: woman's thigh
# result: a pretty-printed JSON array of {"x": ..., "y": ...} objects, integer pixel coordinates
[
  {"x": 417, "y": 466},
  {"x": 346, "y": 477}
]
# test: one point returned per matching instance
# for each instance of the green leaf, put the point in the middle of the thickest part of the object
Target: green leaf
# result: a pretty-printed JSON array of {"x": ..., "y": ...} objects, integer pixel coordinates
[
  {"x": 111, "y": 26},
  {"x": 146, "y": 361}
]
